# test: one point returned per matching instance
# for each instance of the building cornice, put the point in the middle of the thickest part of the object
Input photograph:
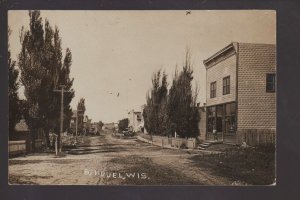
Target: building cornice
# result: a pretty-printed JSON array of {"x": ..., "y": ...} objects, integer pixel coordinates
[{"x": 221, "y": 55}]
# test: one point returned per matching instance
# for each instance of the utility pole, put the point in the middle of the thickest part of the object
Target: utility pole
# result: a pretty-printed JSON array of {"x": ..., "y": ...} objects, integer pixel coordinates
[{"x": 62, "y": 91}]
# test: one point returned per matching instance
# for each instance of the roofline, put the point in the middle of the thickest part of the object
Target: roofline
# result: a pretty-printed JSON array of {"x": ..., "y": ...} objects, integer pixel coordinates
[
  {"x": 225, "y": 49},
  {"x": 134, "y": 112},
  {"x": 273, "y": 44}
]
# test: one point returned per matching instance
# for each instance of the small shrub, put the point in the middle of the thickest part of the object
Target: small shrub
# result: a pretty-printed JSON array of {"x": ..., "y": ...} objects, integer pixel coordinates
[{"x": 183, "y": 146}]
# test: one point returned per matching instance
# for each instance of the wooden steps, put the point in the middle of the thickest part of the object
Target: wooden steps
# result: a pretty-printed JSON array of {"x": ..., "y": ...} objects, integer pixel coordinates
[{"x": 208, "y": 143}]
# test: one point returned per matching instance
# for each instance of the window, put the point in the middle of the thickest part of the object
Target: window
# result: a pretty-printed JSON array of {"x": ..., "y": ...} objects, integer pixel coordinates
[
  {"x": 213, "y": 89},
  {"x": 222, "y": 118},
  {"x": 226, "y": 85},
  {"x": 270, "y": 82}
]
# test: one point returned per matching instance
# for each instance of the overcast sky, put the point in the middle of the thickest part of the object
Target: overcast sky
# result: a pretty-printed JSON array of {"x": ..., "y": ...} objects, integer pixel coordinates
[{"x": 117, "y": 51}]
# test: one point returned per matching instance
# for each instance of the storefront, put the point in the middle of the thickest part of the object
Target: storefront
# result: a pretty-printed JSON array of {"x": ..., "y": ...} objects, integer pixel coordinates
[{"x": 221, "y": 122}]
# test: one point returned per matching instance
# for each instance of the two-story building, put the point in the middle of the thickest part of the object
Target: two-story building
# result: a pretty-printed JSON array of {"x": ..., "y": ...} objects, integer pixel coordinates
[
  {"x": 135, "y": 121},
  {"x": 241, "y": 93}
]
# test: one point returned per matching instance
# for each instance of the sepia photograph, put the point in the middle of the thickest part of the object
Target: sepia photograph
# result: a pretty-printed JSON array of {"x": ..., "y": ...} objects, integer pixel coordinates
[{"x": 142, "y": 97}]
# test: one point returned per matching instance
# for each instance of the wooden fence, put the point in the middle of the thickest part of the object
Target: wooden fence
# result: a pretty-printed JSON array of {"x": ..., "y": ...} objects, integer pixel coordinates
[
  {"x": 257, "y": 137},
  {"x": 171, "y": 142},
  {"x": 17, "y": 147}
]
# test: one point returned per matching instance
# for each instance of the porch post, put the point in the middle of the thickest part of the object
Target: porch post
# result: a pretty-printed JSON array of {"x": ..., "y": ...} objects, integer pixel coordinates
[{"x": 223, "y": 121}]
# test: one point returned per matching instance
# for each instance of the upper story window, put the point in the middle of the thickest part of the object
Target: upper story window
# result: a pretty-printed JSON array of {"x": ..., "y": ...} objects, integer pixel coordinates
[
  {"x": 226, "y": 85},
  {"x": 271, "y": 82},
  {"x": 138, "y": 117},
  {"x": 213, "y": 87}
]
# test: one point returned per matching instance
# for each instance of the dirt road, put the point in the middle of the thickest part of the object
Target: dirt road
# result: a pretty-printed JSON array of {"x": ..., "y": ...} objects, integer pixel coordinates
[{"x": 106, "y": 160}]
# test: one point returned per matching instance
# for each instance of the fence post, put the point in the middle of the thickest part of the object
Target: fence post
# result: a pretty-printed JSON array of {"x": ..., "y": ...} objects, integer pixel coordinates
[{"x": 56, "y": 150}]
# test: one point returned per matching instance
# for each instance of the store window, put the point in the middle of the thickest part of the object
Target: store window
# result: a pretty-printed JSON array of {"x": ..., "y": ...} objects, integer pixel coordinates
[{"x": 222, "y": 118}]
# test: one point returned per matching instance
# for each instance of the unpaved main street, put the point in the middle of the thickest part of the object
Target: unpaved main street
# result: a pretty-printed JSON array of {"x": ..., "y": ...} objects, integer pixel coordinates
[{"x": 106, "y": 160}]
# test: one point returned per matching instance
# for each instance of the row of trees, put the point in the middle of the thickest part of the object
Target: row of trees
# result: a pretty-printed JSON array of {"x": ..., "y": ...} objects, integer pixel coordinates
[
  {"x": 174, "y": 109},
  {"x": 42, "y": 69}
]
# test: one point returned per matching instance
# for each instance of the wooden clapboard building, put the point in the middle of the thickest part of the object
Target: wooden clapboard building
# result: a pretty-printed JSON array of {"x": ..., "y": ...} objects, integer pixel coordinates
[{"x": 241, "y": 93}]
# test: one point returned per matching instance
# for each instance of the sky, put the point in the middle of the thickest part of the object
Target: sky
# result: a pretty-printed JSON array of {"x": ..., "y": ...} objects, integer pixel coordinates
[{"x": 116, "y": 52}]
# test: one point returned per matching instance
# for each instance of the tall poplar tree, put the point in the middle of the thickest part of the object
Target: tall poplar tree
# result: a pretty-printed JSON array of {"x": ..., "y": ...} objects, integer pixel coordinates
[
  {"x": 42, "y": 71},
  {"x": 14, "y": 102},
  {"x": 32, "y": 70},
  {"x": 68, "y": 83},
  {"x": 154, "y": 113},
  {"x": 182, "y": 108}
]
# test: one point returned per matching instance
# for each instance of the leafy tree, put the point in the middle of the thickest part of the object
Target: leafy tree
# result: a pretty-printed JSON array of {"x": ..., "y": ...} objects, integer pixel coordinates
[
  {"x": 154, "y": 113},
  {"x": 42, "y": 71},
  {"x": 51, "y": 62},
  {"x": 14, "y": 102},
  {"x": 68, "y": 82},
  {"x": 100, "y": 125},
  {"x": 123, "y": 124},
  {"x": 59, "y": 74},
  {"x": 32, "y": 70},
  {"x": 174, "y": 110},
  {"x": 182, "y": 110},
  {"x": 147, "y": 115}
]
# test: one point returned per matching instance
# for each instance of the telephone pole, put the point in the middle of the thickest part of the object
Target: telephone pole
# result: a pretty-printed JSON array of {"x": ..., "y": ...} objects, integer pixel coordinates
[{"x": 62, "y": 91}]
